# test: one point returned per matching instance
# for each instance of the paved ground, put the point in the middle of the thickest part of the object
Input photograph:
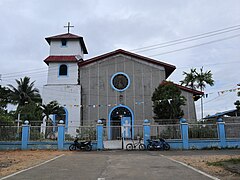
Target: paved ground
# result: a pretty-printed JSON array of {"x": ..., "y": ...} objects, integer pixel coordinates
[{"x": 119, "y": 165}]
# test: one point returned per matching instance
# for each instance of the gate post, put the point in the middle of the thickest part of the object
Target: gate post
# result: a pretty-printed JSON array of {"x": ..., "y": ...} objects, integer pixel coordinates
[
  {"x": 184, "y": 133},
  {"x": 146, "y": 131},
  {"x": 221, "y": 132},
  {"x": 25, "y": 135},
  {"x": 99, "y": 135},
  {"x": 61, "y": 134}
]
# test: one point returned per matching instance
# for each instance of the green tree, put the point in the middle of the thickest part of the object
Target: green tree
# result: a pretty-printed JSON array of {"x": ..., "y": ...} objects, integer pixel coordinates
[
  {"x": 51, "y": 108},
  {"x": 237, "y": 104},
  {"x": 4, "y": 98},
  {"x": 31, "y": 112},
  {"x": 202, "y": 79},
  {"x": 198, "y": 80},
  {"x": 167, "y": 101},
  {"x": 24, "y": 92},
  {"x": 190, "y": 79},
  {"x": 5, "y": 117}
]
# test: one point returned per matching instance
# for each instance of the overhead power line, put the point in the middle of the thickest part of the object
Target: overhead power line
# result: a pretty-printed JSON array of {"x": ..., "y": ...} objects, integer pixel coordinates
[
  {"x": 190, "y": 47},
  {"x": 187, "y": 39},
  {"x": 174, "y": 42}
]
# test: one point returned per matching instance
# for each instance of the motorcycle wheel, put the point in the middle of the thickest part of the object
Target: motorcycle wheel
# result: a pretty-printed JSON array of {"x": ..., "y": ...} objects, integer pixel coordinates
[
  {"x": 149, "y": 147},
  {"x": 129, "y": 147},
  {"x": 88, "y": 148},
  {"x": 142, "y": 147},
  {"x": 72, "y": 147},
  {"x": 166, "y": 146}
]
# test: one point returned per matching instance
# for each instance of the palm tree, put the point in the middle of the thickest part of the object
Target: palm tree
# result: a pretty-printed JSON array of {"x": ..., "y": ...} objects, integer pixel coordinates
[
  {"x": 24, "y": 92},
  {"x": 51, "y": 108},
  {"x": 190, "y": 79},
  {"x": 202, "y": 79},
  {"x": 198, "y": 80}
]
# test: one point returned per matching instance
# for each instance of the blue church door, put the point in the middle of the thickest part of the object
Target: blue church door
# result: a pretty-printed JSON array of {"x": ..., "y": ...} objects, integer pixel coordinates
[{"x": 118, "y": 116}]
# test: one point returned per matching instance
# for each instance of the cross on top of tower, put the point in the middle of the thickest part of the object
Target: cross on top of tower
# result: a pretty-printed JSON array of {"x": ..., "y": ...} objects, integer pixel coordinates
[{"x": 68, "y": 26}]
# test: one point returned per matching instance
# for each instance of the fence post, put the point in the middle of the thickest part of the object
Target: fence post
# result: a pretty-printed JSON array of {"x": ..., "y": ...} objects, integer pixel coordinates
[
  {"x": 221, "y": 132},
  {"x": 184, "y": 132},
  {"x": 99, "y": 135},
  {"x": 25, "y": 135},
  {"x": 61, "y": 133},
  {"x": 146, "y": 131}
]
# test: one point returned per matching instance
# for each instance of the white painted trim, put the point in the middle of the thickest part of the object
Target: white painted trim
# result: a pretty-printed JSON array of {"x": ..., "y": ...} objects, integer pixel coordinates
[
  {"x": 45, "y": 162},
  {"x": 190, "y": 167}
]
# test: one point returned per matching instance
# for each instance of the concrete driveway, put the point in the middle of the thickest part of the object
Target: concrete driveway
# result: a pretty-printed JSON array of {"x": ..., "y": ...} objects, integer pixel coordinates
[{"x": 119, "y": 165}]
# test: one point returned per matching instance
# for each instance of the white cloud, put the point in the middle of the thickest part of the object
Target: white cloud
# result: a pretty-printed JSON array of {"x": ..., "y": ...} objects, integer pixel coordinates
[{"x": 107, "y": 25}]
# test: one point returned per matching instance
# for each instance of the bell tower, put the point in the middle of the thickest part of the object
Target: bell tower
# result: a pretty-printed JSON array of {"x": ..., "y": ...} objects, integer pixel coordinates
[{"x": 66, "y": 51}]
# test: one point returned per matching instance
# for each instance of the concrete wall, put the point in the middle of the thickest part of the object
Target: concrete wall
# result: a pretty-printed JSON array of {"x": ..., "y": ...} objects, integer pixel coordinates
[
  {"x": 69, "y": 97},
  {"x": 189, "y": 108},
  {"x": 53, "y": 74},
  {"x": 96, "y": 88},
  {"x": 73, "y": 47}
]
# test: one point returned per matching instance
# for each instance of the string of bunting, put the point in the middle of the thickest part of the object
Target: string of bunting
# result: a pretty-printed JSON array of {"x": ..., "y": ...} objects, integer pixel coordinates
[
  {"x": 141, "y": 102},
  {"x": 222, "y": 92},
  {"x": 100, "y": 105}
]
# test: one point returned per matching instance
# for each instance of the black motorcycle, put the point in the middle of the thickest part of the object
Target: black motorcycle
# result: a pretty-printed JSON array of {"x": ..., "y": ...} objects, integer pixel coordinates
[
  {"x": 84, "y": 145},
  {"x": 160, "y": 144}
]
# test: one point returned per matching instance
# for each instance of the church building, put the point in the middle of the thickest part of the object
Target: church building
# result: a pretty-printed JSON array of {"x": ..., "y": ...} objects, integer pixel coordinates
[{"x": 116, "y": 86}]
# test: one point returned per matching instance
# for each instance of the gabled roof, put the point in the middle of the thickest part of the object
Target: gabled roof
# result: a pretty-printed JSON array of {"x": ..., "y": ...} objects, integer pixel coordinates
[
  {"x": 196, "y": 93},
  {"x": 60, "y": 59},
  {"x": 168, "y": 67},
  {"x": 68, "y": 36}
]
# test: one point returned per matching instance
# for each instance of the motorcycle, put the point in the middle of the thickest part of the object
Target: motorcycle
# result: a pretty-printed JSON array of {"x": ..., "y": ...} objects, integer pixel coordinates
[
  {"x": 84, "y": 145},
  {"x": 160, "y": 144}
]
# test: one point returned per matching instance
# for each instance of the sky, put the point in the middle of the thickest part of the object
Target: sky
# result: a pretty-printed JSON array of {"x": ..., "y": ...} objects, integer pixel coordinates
[{"x": 131, "y": 25}]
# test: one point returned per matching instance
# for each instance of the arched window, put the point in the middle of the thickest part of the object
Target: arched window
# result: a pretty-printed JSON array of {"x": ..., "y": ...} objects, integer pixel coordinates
[{"x": 63, "y": 70}]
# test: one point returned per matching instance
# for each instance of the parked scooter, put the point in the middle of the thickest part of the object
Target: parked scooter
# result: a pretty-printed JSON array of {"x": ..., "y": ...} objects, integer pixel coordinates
[
  {"x": 84, "y": 145},
  {"x": 160, "y": 144}
]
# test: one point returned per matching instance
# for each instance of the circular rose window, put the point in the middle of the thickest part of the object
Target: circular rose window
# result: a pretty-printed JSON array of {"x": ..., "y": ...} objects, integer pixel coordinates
[{"x": 120, "y": 81}]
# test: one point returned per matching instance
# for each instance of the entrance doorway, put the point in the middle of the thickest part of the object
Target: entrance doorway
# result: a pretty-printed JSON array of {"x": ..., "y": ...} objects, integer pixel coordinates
[{"x": 114, "y": 123}]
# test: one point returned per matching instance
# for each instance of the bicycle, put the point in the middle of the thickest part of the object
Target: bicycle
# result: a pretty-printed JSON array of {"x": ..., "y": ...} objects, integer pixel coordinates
[{"x": 133, "y": 145}]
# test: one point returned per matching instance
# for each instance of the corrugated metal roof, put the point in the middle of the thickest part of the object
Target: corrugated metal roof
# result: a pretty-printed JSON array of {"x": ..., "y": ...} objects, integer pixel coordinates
[{"x": 232, "y": 112}]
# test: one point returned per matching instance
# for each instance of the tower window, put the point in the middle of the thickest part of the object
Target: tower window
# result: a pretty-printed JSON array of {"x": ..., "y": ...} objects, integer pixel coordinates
[
  {"x": 63, "y": 70},
  {"x": 64, "y": 42}
]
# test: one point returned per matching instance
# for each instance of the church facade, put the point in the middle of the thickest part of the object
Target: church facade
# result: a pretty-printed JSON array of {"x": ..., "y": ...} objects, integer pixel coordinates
[{"x": 116, "y": 86}]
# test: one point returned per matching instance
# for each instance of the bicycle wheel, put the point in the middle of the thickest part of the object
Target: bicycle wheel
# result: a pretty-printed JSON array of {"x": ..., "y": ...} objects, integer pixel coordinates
[
  {"x": 129, "y": 147},
  {"x": 166, "y": 146},
  {"x": 72, "y": 147},
  {"x": 142, "y": 147}
]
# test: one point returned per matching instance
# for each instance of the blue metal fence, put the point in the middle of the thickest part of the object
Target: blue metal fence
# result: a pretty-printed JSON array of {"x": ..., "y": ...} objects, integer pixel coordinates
[{"x": 180, "y": 136}]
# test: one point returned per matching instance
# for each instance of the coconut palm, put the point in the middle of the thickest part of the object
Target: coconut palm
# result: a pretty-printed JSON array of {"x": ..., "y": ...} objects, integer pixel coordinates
[{"x": 24, "y": 92}]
